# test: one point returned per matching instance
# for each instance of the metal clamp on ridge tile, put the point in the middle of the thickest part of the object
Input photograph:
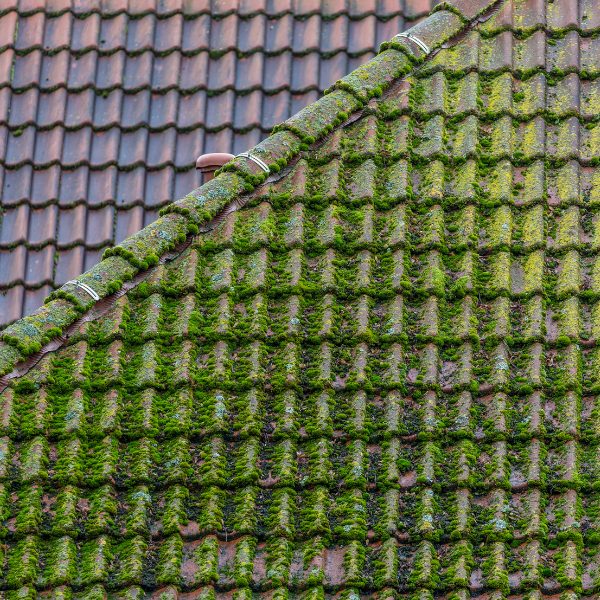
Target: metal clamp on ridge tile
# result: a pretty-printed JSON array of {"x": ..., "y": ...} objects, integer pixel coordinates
[
  {"x": 416, "y": 40},
  {"x": 255, "y": 159},
  {"x": 86, "y": 288}
]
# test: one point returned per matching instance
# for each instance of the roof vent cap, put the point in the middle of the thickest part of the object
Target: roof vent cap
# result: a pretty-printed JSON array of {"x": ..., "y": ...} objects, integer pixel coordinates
[{"x": 209, "y": 163}]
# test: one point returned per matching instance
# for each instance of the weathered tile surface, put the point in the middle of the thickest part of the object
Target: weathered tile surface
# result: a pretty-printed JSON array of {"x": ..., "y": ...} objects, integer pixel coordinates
[{"x": 377, "y": 379}]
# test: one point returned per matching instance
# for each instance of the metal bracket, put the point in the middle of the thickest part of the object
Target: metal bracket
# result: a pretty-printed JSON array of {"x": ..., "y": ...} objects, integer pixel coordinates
[
  {"x": 256, "y": 160},
  {"x": 416, "y": 40},
  {"x": 86, "y": 288}
]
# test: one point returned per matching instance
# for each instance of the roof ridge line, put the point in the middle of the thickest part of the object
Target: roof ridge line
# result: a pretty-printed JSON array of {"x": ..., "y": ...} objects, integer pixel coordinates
[{"x": 398, "y": 57}]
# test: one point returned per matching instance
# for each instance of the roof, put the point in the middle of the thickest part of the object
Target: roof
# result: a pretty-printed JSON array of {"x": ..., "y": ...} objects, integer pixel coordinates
[
  {"x": 105, "y": 106},
  {"x": 370, "y": 373}
]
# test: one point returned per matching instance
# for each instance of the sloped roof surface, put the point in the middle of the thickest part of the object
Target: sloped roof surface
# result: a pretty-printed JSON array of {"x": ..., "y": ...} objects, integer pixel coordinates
[
  {"x": 104, "y": 108},
  {"x": 377, "y": 377}
]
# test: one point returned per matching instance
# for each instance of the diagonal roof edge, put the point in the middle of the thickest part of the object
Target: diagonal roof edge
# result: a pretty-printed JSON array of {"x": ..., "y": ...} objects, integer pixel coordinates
[{"x": 183, "y": 218}]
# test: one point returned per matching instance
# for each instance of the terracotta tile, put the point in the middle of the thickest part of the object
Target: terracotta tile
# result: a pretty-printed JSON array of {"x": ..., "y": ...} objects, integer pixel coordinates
[
  {"x": 159, "y": 187},
  {"x": 128, "y": 222},
  {"x": 361, "y": 35},
  {"x": 249, "y": 72},
  {"x": 190, "y": 67},
  {"x": 219, "y": 110},
  {"x": 276, "y": 108},
  {"x": 223, "y": 33},
  {"x": 69, "y": 264},
  {"x": 251, "y": 33},
  {"x": 5, "y": 98},
  {"x": 6, "y": 64},
  {"x": 11, "y": 304},
  {"x": 8, "y": 22},
  {"x": 51, "y": 108},
  {"x": 58, "y": 32},
  {"x": 165, "y": 71},
  {"x": 73, "y": 186},
  {"x": 85, "y": 33},
  {"x": 414, "y": 8},
  {"x": 42, "y": 225},
  {"x": 590, "y": 15},
  {"x": 82, "y": 70},
  {"x": 33, "y": 299},
  {"x": 216, "y": 141},
  {"x": 102, "y": 186},
  {"x": 108, "y": 107},
  {"x": 105, "y": 147},
  {"x": 279, "y": 34},
  {"x": 248, "y": 110},
  {"x": 12, "y": 265},
  {"x": 141, "y": 7},
  {"x": 355, "y": 61},
  {"x": 358, "y": 8},
  {"x": 80, "y": 108},
  {"x": 334, "y": 35},
  {"x": 14, "y": 226},
  {"x": 307, "y": 34},
  {"x": 44, "y": 188},
  {"x": 331, "y": 8},
  {"x": 132, "y": 149},
  {"x": 332, "y": 69},
  {"x": 299, "y": 101},
  {"x": 251, "y": 7},
  {"x": 71, "y": 226},
  {"x": 149, "y": 217},
  {"x": 99, "y": 227},
  {"x": 134, "y": 109},
  {"x": 140, "y": 33},
  {"x": 246, "y": 140},
  {"x": 306, "y": 7},
  {"x": 564, "y": 54},
  {"x": 529, "y": 14},
  {"x": 168, "y": 7},
  {"x": 191, "y": 109},
  {"x": 76, "y": 146},
  {"x": 138, "y": 71},
  {"x": 161, "y": 146},
  {"x": 196, "y": 34},
  {"x": 188, "y": 148},
  {"x": 110, "y": 70},
  {"x": 48, "y": 146},
  {"x": 24, "y": 108},
  {"x": 27, "y": 70},
  {"x": 305, "y": 72},
  {"x": 113, "y": 33},
  {"x": 54, "y": 70},
  {"x": 130, "y": 187},
  {"x": 92, "y": 257},
  {"x": 20, "y": 146},
  {"x": 277, "y": 72},
  {"x": 221, "y": 72},
  {"x": 30, "y": 33},
  {"x": 4, "y": 133},
  {"x": 186, "y": 181},
  {"x": 39, "y": 266},
  {"x": 168, "y": 33},
  {"x": 386, "y": 30},
  {"x": 16, "y": 185}
]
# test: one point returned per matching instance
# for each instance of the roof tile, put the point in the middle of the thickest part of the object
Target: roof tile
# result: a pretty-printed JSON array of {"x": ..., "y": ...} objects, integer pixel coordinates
[
  {"x": 85, "y": 32},
  {"x": 110, "y": 70},
  {"x": 57, "y": 33}
]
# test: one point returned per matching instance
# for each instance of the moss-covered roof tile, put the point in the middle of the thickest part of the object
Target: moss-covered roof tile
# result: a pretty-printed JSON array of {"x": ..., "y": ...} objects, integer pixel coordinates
[{"x": 372, "y": 374}]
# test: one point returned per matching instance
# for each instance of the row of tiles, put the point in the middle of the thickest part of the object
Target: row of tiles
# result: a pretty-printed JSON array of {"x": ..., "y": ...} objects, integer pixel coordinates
[
  {"x": 287, "y": 70},
  {"x": 217, "y": 8},
  {"x": 259, "y": 34}
]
